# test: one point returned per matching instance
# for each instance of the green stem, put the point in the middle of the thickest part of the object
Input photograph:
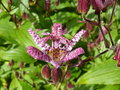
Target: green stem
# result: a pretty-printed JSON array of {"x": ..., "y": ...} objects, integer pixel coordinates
[
  {"x": 62, "y": 79},
  {"x": 105, "y": 40}
]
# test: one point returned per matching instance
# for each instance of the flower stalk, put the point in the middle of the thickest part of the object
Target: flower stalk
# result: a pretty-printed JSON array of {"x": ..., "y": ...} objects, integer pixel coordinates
[{"x": 105, "y": 40}]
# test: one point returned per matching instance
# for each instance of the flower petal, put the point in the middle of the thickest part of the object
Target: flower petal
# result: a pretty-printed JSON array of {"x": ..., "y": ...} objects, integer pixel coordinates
[
  {"x": 46, "y": 33},
  {"x": 37, "y": 54},
  {"x": 56, "y": 64},
  {"x": 75, "y": 39},
  {"x": 73, "y": 54},
  {"x": 41, "y": 42},
  {"x": 57, "y": 29}
]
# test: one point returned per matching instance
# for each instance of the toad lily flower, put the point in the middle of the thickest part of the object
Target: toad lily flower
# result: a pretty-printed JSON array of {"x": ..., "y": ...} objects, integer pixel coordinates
[{"x": 59, "y": 51}]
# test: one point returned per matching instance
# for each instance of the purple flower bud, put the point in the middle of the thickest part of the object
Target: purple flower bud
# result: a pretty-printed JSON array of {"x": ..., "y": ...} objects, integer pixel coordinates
[
  {"x": 83, "y": 6},
  {"x": 86, "y": 34},
  {"x": 11, "y": 63},
  {"x": 17, "y": 74},
  {"x": 37, "y": 74},
  {"x": 57, "y": 2},
  {"x": 97, "y": 5},
  {"x": 24, "y": 16},
  {"x": 88, "y": 26},
  {"x": 107, "y": 3},
  {"x": 117, "y": 55},
  {"x": 46, "y": 72},
  {"x": 68, "y": 74},
  {"x": 19, "y": 23},
  {"x": 21, "y": 65},
  {"x": 91, "y": 45},
  {"x": 47, "y": 5},
  {"x": 70, "y": 85},
  {"x": 56, "y": 75},
  {"x": 24, "y": 72}
]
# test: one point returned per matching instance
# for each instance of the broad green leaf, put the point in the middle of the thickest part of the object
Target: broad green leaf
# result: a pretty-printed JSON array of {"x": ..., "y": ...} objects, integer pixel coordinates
[
  {"x": 49, "y": 87},
  {"x": 22, "y": 36},
  {"x": 97, "y": 87},
  {"x": 25, "y": 86},
  {"x": 104, "y": 73},
  {"x": 7, "y": 29},
  {"x": 28, "y": 78},
  {"x": 17, "y": 54},
  {"x": 15, "y": 85}
]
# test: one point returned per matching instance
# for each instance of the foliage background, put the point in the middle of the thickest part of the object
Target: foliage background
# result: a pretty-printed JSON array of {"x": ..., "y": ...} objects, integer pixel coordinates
[{"x": 100, "y": 74}]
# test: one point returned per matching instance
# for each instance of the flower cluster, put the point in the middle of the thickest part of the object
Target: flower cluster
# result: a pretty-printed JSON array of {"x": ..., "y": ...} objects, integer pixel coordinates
[
  {"x": 98, "y": 5},
  {"x": 59, "y": 51}
]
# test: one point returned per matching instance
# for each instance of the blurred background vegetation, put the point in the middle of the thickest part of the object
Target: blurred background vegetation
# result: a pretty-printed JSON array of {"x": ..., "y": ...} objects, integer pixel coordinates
[{"x": 19, "y": 71}]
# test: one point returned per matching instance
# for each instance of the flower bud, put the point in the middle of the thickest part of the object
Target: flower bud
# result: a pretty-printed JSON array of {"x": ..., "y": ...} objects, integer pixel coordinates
[
  {"x": 70, "y": 85},
  {"x": 83, "y": 6},
  {"x": 19, "y": 23},
  {"x": 118, "y": 63},
  {"x": 21, "y": 65},
  {"x": 47, "y": 5},
  {"x": 86, "y": 34},
  {"x": 46, "y": 72},
  {"x": 24, "y": 16},
  {"x": 91, "y": 45},
  {"x": 97, "y": 5},
  {"x": 68, "y": 74},
  {"x": 56, "y": 75},
  {"x": 107, "y": 3},
  {"x": 11, "y": 63},
  {"x": 37, "y": 74},
  {"x": 117, "y": 55},
  {"x": 88, "y": 26},
  {"x": 57, "y": 2},
  {"x": 24, "y": 72},
  {"x": 17, "y": 74}
]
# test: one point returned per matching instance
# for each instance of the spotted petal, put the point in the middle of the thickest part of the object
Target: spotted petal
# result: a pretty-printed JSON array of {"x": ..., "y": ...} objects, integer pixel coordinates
[
  {"x": 37, "y": 54},
  {"x": 75, "y": 39},
  {"x": 73, "y": 54},
  {"x": 41, "y": 42}
]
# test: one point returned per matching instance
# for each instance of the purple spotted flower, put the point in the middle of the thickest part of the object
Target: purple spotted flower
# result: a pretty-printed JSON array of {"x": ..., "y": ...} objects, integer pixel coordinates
[{"x": 59, "y": 51}]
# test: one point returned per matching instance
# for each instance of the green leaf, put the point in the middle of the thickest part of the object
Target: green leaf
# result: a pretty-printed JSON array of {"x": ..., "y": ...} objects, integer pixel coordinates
[
  {"x": 7, "y": 29},
  {"x": 103, "y": 73},
  {"x": 22, "y": 36},
  {"x": 18, "y": 54},
  {"x": 97, "y": 87},
  {"x": 25, "y": 86},
  {"x": 15, "y": 85}
]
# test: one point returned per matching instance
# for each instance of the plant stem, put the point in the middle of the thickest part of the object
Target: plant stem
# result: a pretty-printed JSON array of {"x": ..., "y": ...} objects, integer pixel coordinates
[
  {"x": 109, "y": 35},
  {"x": 105, "y": 40},
  {"x": 66, "y": 69},
  {"x": 110, "y": 22},
  {"x": 111, "y": 18},
  {"x": 4, "y": 6}
]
